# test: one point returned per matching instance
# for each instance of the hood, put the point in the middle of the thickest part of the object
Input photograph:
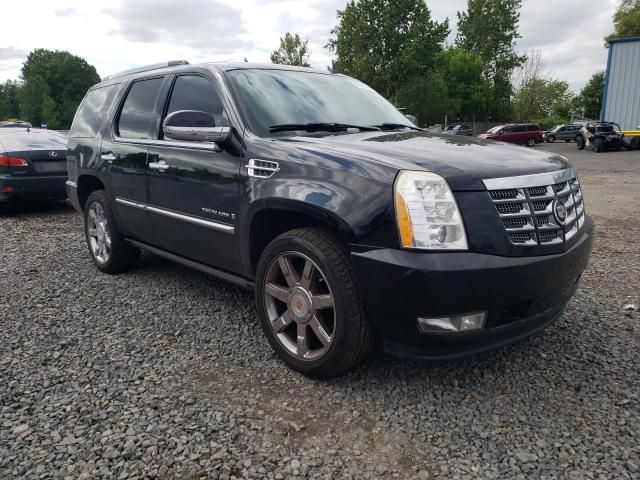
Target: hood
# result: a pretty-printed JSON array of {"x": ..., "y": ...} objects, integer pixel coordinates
[{"x": 463, "y": 161}]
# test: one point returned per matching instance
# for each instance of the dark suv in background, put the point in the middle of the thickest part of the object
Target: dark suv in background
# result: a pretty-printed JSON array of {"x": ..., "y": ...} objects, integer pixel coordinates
[
  {"x": 348, "y": 222},
  {"x": 568, "y": 133},
  {"x": 519, "y": 133}
]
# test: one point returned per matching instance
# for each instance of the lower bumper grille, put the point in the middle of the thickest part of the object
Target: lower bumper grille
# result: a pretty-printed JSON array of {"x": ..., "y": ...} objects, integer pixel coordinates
[{"x": 541, "y": 209}]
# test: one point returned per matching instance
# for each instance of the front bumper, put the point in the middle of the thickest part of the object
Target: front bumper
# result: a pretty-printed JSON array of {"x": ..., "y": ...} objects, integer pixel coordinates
[
  {"x": 521, "y": 295},
  {"x": 32, "y": 187}
]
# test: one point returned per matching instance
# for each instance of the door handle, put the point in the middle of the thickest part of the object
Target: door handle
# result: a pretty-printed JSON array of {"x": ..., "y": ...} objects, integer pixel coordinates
[
  {"x": 160, "y": 165},
  {"x": 108, "y": 157}
]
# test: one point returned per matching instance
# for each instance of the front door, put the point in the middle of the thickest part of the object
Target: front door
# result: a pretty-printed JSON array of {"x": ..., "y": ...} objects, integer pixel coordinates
[
  {"x": 193, "y": 186},
  {"x": 124, "y": 155}
]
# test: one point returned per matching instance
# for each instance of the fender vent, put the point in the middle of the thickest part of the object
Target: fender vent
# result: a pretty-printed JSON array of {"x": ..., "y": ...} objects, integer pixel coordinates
[{"x": 262, "y": 168}]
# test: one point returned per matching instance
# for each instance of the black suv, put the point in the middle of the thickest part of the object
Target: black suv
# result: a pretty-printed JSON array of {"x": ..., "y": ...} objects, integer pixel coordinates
[{"x": 351, "y": 224}]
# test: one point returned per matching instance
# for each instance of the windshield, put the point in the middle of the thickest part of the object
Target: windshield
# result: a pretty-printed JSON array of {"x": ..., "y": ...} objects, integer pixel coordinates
[
  {"x": 495, "y": 129},
  {"x": 278, "y": 97}
]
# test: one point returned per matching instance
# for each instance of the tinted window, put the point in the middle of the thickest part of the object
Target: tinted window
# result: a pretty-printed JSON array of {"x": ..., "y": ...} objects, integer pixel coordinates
[
  {"x": 92, "y": 111},
  {"x": 137, "y": 116},
  {"x": 191, "y": 92},
  {"x": 465, "y": 127},
  {"x": 533, "y": 128}
]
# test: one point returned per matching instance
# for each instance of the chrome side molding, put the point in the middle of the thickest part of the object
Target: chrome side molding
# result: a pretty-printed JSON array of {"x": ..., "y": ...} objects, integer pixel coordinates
[{"x": 221, "y": 227}]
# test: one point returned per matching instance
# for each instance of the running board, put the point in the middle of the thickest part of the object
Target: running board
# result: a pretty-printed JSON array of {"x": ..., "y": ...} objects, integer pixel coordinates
[{"x": 214, "y": 272}]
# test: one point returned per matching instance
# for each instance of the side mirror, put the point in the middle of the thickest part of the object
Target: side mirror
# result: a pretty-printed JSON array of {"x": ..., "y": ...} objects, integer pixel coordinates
[
  {"x": 412, "y": 119},
  {"x": 194, "y": 126}
]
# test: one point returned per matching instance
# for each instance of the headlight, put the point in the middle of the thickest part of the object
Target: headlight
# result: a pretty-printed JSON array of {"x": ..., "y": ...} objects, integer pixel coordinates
[{"x": 427, "y": 213}]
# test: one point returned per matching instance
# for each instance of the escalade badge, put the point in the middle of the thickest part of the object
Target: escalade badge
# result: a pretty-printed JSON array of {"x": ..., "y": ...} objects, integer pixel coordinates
[{"x": 560, "y": 211}]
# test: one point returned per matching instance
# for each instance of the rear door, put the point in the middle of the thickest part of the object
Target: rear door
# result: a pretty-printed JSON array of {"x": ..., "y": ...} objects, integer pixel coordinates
[
  {"x": 570, "y": 132},
  {"x": 193, "y": 186},
  {"x": 124, "y": 155},
  {"x": 521, "y": 134}
]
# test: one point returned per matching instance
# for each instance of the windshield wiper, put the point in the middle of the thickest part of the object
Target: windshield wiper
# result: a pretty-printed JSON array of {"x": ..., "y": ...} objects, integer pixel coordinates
[
  {"x": 319, "y": 126},
  {"x": 394, "y": 126}
]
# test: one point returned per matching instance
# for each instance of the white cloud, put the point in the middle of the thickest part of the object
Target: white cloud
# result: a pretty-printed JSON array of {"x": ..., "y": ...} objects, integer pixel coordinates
[{"x": 115, "y": 35}]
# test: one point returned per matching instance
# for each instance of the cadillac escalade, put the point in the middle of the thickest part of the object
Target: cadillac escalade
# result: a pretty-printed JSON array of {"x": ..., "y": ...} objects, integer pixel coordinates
[{"x": 353, "y": 226}]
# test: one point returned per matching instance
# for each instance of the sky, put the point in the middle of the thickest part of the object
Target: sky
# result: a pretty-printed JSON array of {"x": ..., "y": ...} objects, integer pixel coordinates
[{"x": 114, "y": 35}]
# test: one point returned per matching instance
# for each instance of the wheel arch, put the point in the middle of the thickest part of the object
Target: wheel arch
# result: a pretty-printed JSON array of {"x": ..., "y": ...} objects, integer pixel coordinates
[
  {"x": 86, "y": 185},
  {"x": 280, "y": 215}
]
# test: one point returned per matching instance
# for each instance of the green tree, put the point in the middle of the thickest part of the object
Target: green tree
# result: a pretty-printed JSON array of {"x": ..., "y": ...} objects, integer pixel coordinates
[
  {"x": 54, "y": 84},
  {"x": 390, "y": 45},
  {"x": 292, "y": 51},
  {"x": 589, "y": 102},
  {"x": 36, "y": 105},
  {"x": 9, "y": 100},
  {"x": 490, "y": 29},
  {"x": 626, "y": 20},
  {"x": 541, "y": 98},
  {"x": 468, "y": 92}
]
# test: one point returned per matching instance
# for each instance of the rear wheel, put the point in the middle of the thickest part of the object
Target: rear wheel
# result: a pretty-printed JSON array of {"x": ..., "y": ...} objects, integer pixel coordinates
[
  {"x": 108, "y": 249},
  {"x": 598, "y": 145},
  {"x": 634, "y": 144},
  {"x": 580, "y": 142},
  {"x": 551, "y": 139},
  {"x": 531, "y": 142},
  {"x": 309, "y": 303}
]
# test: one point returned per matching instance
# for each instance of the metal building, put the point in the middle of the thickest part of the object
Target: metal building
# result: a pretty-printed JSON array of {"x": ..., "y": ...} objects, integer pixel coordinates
[{"x": 621, "y": 97}]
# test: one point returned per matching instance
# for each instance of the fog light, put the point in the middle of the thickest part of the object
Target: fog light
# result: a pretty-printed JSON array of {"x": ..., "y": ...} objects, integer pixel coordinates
[{"x": 453, "y": 324}]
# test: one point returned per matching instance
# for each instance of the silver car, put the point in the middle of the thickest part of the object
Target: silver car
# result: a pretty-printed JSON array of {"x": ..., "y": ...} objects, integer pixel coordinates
[{"x": 464, "y": 130}]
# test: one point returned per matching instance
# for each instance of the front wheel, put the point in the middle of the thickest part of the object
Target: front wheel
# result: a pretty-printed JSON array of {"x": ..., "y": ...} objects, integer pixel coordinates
[
  {"x": 107, "y": 246},
  {"x": 580, "y": 143},
  {"x": 551, "y": 139},
  {"x": 309, "y": 303},
  {"x": 531, "y": 142}
]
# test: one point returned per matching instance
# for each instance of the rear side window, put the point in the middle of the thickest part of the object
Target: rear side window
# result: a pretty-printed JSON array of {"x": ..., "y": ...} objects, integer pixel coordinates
[
  {"x": 137, "y": 116},
  {"x": 92, "y": 112},
  {"x": 534, "y": 128},
  {"x": 193, "y": 92}
]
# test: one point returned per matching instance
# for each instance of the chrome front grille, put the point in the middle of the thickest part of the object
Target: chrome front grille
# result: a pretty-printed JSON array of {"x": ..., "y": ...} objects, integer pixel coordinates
[{"x": 531, "y": 207}]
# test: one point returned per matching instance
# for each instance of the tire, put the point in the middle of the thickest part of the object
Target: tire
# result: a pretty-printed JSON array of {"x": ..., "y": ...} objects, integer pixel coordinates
[
  {"x": 551, "y": 139},
  {"x": 531, "y": 142},
  {"x": 349, "y": 337},
  {"x": 580, "y": 143},
  {"x": 117, "y": 256},
  {"x": 634, "y": 144},
  {"x": 598, "y": 145}
]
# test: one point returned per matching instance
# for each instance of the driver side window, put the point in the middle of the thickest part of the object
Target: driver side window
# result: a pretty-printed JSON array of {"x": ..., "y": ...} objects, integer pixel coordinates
[{"x": 193, "y": 92}]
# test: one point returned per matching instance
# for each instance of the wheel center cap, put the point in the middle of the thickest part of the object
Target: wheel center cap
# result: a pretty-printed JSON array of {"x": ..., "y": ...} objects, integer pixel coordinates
[{"x": 300, "y": 304}]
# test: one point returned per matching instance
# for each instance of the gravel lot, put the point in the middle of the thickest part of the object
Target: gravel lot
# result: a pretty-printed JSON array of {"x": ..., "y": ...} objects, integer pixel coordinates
[{"x": 164, "y": 373}]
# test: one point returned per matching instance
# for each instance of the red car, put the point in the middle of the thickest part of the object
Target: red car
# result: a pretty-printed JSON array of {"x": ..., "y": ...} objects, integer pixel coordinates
[{"x": 519, "y": 133}]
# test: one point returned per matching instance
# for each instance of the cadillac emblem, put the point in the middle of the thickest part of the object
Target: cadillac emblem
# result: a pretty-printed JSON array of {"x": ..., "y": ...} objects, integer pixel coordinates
[{"x": 560, "y": 211}]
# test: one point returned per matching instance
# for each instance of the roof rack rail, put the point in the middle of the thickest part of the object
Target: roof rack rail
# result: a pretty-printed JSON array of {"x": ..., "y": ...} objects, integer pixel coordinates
[{"x": 147, "y": 68}]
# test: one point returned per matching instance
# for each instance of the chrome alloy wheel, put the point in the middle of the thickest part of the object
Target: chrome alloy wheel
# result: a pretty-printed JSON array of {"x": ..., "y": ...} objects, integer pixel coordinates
[
  {"x": 98, "y": 233},
  {"x": 300, "y": 306}
]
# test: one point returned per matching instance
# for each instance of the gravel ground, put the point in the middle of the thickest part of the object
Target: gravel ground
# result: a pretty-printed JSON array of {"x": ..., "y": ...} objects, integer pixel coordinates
[{"x": 164, "y": 373}]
